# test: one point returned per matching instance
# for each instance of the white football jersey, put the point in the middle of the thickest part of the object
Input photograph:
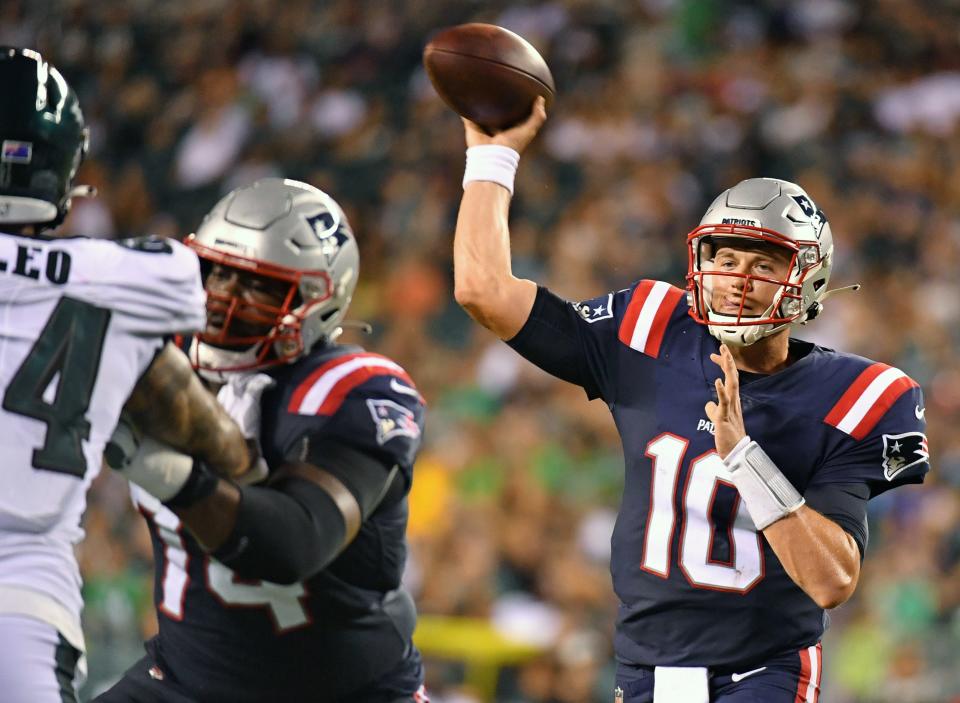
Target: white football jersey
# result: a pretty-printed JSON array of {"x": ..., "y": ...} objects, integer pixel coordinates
[{"x": 80, "y": 321}]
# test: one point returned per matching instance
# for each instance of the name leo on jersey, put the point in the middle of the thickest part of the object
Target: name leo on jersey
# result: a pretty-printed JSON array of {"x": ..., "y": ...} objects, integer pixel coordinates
[{"x": 34, "y": 261}]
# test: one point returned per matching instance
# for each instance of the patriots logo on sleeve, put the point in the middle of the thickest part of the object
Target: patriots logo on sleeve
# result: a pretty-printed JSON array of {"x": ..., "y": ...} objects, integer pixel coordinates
[
  {"x": 392, "y": 420},
  {"x": 901, "y": 451},
  {"x": 595, "y": 310}
]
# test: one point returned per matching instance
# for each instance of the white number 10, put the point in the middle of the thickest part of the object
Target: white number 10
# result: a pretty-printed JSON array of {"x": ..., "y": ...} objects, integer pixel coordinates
[{"x": 745, "y": 568}]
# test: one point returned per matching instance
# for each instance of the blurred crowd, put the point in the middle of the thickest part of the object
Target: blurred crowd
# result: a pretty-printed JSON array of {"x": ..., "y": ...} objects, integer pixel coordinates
[{"x": 661, "y": 105}]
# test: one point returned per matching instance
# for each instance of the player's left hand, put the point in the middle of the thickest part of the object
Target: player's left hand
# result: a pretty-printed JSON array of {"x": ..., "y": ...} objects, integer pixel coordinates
[{"x": 726, "y": 414}]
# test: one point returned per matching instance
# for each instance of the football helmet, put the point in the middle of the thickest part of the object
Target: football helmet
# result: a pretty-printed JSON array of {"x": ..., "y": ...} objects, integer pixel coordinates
[
  {"x": 43, "y": 139},
  {"x": 287, "y": 231},
  {"x": 759, "y": 212}
]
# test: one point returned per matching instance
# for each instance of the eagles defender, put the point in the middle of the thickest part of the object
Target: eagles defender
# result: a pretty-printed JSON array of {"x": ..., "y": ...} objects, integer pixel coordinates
[
  {"x": 82, "y": 334},
  {"x": 744, "y": 510},
  {"x": 288, "y": 590}
]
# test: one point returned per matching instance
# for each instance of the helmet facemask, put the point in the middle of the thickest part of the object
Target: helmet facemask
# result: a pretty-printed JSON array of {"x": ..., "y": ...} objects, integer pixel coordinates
[{"x": 737, "y": 219}]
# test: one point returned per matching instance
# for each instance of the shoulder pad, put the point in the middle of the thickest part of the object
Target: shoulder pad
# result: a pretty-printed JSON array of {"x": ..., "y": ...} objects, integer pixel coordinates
[
  {"x": 867, "y": 398},
  {"x": 324, "y": 390},
  {"x": 651, "y": 307}
]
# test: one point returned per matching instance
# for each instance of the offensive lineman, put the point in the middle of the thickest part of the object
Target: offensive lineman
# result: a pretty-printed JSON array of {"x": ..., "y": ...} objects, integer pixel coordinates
[
  {"x": 728, "y": 548},
  {"x": 290, "y": 590},
  {"x": 82, "y": 332}
]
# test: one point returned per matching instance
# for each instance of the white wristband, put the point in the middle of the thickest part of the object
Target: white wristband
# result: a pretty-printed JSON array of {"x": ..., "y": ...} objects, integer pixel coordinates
[
  {"x": 493, "y": 163},
  {"x": 769, "y": 495}
]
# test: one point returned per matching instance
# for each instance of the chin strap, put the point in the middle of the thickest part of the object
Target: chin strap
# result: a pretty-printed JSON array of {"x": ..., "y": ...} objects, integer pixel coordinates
[
  {"x": 817, "y": 307},
  {"x": 364, "y": 327},
  {"x": 82, "y": 191},
  {"x": 853, "y": 289}
]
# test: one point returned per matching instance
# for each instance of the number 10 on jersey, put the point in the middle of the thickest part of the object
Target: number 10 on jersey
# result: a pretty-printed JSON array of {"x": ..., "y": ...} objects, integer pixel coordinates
[{"x": 745, "y": 568}]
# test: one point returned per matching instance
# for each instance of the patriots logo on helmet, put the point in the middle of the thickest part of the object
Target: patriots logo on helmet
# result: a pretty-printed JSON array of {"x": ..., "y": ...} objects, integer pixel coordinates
[
  {"x": 901, "y": 451},
  {"x": 327, "y": 229},
  {"x": 392, "y": 420}
]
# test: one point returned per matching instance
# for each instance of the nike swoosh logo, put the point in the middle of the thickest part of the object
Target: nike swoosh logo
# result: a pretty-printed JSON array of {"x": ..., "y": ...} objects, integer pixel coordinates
[
  {"x": 919, "y": 412},
  {"x": 400, "y": 388},
  {"x": 741, "y": 677}
]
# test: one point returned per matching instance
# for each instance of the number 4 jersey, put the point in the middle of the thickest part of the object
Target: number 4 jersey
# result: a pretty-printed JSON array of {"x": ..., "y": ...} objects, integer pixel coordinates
[
  {"x": 698, "y": 585},
  {"x": 80, "y": 321}
]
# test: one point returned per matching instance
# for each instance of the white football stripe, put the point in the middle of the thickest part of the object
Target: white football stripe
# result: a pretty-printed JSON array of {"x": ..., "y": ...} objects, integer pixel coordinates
[
  {"x": 868, "y": 399},
  {"x": 811, "y": 695},
  {"x": 649, "y": 310},
  {"x": 321, "y": 388}
]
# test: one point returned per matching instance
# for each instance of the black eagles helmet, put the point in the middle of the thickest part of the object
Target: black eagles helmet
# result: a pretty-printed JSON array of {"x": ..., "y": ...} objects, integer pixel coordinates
[{"x": 43, "y": 139}]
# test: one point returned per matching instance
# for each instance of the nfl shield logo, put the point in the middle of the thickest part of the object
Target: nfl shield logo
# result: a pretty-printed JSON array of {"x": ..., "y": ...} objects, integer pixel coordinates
[{"x": 14, "y": 152}]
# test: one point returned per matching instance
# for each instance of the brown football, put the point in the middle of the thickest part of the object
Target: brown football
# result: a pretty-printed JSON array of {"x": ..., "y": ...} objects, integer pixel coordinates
[{"x": 487, "y": 74}]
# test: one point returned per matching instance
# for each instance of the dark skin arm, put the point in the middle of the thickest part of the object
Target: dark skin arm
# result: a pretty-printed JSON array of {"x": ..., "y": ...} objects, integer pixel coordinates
[
  {"x": 172, "y": 402},
  {"x": 212, "y": 519}
]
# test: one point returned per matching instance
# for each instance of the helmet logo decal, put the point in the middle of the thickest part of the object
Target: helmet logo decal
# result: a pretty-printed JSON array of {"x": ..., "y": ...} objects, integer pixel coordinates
[
  {"x": 15, "y": 152},
  {"x": 738, "y": 221},
  {"x": 817, "y": 218},
  {"x": 327, "y": 229},
  {"x": 804, "y": 202}
]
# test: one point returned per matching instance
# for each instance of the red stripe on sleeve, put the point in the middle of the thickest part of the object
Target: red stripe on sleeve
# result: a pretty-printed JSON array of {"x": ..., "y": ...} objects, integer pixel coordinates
[
  {"x": 660, "y": 320},
  {"x": 342, "y": 388},
  {"x": 634, "y": 307},
  {"x": 300, "y": 393},
  {"x": 853, "y": 393},
  {"x": 883, "y": 404}
]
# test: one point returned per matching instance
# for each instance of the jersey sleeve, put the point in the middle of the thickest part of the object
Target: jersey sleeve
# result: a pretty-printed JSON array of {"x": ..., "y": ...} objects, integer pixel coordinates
[
  {"x": 580, "y": 342},
  {"x": 879, "y": 427},
  {"x": 368, "y": 403},
  {"x": 153, "y": 285}
]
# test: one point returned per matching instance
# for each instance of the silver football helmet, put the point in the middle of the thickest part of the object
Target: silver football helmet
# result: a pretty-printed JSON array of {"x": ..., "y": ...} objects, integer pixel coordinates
[
  {"x": 774, "y": 212},
  {"x": 283, "y": 230}
]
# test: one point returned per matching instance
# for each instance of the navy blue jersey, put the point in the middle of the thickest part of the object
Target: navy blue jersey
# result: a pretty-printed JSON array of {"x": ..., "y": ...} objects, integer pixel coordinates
[
  {"x": 227, "y": 639},
  {"x": 698, "y": 585}
]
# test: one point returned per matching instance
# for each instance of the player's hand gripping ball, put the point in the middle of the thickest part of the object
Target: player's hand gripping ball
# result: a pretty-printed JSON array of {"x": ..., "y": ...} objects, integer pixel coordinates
[{"x": 487, "y": 74}]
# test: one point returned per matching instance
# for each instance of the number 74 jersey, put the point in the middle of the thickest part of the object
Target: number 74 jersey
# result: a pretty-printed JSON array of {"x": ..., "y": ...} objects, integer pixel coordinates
[{"x": 698, "y": 584}]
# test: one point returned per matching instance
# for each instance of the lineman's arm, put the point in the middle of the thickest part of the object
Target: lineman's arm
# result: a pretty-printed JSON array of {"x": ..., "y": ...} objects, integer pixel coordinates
[
  {"x": 484, "y": 283},
  {"x": 293, "y": 527},
  {"x": 170, "y": 404}
]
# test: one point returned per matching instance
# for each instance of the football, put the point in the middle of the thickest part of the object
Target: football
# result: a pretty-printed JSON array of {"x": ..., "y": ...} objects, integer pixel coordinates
[{"x": 487, "y": 74}]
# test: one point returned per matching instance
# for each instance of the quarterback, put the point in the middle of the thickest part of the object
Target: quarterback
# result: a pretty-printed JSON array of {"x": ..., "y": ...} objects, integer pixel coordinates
[
  {"x": 288, "y": 590},
  {"x": 743, "y": 517},
  {"x": 83, "y": 329}
]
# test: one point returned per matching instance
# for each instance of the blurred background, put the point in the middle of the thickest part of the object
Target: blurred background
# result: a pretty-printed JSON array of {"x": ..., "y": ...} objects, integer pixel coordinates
[{"x": 662, "y": 104}]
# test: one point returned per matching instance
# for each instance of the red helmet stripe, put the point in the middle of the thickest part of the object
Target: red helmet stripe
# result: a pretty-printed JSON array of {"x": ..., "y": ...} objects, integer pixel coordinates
[{"x": 647, "y": 315}]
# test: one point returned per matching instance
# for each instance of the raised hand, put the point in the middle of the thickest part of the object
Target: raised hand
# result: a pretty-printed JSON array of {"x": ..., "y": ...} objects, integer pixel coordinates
[
  {"x": 517, "y": 137},
  {"x": 726, "y": 414}
]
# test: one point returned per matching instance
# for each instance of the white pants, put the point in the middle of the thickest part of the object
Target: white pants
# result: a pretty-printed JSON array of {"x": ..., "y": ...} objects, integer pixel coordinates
[{"x": 37, "y": 665}]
